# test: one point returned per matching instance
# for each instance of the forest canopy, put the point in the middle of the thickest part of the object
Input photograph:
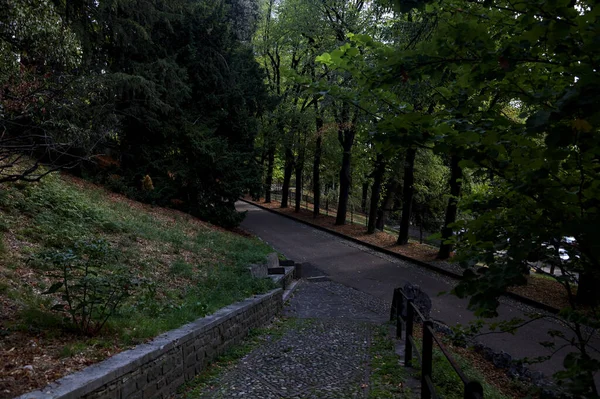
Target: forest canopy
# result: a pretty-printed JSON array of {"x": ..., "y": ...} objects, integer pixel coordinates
[
  {"x": 476, "y": 120},
  {"x": 164, "y": 90}
]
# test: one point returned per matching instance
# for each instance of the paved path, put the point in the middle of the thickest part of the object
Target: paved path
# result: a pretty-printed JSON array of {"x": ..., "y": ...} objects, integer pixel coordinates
[
  {"x": 324, "y": 354},
  {"x": 377, "y": 274}
]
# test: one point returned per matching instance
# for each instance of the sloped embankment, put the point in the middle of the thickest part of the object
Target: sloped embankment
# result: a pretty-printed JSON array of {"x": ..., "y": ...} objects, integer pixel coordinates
[{"x": 162, "y": 268}]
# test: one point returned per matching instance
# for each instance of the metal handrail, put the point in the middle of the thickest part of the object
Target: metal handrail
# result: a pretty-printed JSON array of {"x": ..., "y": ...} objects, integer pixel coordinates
[
  {"x": 455, "y": 366},
  {"x": 472, "y": 388}
]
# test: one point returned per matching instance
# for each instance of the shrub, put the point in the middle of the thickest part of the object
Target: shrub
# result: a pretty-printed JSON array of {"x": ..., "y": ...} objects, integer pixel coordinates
[{"x": 90, "y": 290}]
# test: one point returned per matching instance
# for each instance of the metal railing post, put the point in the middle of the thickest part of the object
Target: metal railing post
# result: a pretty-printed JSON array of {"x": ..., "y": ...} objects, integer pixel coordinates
[
  {"x": 473, "y": 390},
  {"x": 409, "y": 331},
  {"x": 427, "y": 359}
]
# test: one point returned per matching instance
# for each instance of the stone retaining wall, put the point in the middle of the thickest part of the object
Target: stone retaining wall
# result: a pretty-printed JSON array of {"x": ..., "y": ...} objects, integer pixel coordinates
[{"x": 158, "y": 368}]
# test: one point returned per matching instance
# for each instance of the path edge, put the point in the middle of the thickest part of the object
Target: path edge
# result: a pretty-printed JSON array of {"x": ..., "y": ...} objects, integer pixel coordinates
[{"x": 437, "y": 269}]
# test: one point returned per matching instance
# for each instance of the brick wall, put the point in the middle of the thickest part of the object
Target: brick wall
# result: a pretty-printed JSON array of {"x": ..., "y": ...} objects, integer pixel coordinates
[{"x": 157, "y": 369}]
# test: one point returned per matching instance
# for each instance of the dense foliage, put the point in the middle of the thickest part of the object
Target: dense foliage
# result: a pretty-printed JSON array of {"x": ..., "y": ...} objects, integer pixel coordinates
[
  {"x": 471, "y": 117},
  {"x": 474, "y": 119},
  {"x": 168, "y": 90}
]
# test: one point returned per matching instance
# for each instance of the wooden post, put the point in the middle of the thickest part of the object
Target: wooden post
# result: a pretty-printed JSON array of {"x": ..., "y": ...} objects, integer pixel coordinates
[{"x": 473, "y": 389}]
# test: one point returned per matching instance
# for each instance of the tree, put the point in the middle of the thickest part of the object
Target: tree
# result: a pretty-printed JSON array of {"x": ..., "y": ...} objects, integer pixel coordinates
[
  {"x": 188, "y": 92},
  {"x": 408, "y": 190},
  {"x": 536, "y": 138},
  {"x": 50, "y": 115},
  {"x": 378, "y": 173},
  {"x": 286, "y": 40},
  {"x": 317, "y": 160},
  {"x": 391, "y": 192},
  {"x": 452, "y": 209}
]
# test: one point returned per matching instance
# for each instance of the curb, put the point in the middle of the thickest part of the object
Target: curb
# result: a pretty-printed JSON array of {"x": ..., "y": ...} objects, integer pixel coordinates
[
  {"x": 437, "y": 269},
  {"x": 288, "y": 292}
]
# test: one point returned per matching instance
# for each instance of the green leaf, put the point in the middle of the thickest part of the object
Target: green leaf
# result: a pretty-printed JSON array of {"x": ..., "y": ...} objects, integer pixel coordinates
[
  {"x": 324, "y": 58},
  {"x": 352, "y": 51}
]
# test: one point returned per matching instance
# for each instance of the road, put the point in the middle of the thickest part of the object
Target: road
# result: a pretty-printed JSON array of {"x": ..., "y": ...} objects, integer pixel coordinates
[{"x": 377, "y": 274}]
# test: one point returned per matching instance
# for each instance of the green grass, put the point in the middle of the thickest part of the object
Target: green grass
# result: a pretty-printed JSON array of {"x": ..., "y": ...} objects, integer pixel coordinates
[
  {"x": 387, "y": 375},
  {"x": 181, "y": 268},
  {"x": 56, "y": 215},
  {"x": 71, "y": 350},
  {"x": 448, "y": 384}
]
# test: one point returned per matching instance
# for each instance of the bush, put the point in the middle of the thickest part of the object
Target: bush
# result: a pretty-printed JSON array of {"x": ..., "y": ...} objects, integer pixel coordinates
[{"x": 91, "y": 291}]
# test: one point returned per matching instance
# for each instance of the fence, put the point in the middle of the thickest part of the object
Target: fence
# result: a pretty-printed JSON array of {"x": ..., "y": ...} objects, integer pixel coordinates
[{"x": 472, "y": 389}]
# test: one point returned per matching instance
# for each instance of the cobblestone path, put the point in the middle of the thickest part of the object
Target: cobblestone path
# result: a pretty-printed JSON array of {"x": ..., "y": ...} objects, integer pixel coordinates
[{"x": 323, "y": 354}]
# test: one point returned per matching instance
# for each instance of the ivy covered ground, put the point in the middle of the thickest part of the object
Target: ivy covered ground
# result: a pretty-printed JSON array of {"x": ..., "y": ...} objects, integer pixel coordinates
[{"x": 149, "y": 269}]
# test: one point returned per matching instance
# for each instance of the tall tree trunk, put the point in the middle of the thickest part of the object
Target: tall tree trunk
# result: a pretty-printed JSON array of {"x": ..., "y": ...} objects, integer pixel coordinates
[
  {"x": 375, "y": 192},
  {"x": 345, "y": 181},
  {"x": 269, "y": 179},
  {"x": 587, "y": 291},
  {"x": 299, "y": 170},
  {"x": 287, "y": 176},
  {"x": 391, "y": 190},
  {"x": 451, "y": 210},
  {"x": 346, "y": 133},
  {"x": 365, "y": 195},
  {"x": 317, "y": 164},
  {"x": 298, "y": 198},
  {"x": 407, "y": 195},
  {"x": 387, "y": 203}
]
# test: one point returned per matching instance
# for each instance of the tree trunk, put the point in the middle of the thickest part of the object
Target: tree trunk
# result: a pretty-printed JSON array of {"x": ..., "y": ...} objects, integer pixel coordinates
[
  {"x": 375, "y": 193},
  {"x": 344, "y": 190},
  {"x": 451, "y": 210},
  {"x": 317, "y": 176},
  {"x": 346, "y": 133},
  {"x": 391, "y": 190},
  {"x": 299, "y": 170},
  {"x": 298, "y": 197},
  {"x": 287, "y": 176},
  {"x": 407, "y": 195},
  {"x": 269, "y": 179},
  {"x": 587, "y": 291},
  {"x": 387, "y": 203},
  {"x": 365, "y": 195}
]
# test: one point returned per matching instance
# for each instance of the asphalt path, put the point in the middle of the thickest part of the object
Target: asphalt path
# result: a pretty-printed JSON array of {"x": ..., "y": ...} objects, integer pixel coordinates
[{"x": 378, "y": 274}]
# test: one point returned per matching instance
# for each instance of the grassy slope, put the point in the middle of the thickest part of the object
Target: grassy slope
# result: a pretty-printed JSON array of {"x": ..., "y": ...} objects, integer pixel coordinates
[{"x": 189, "y": 269}]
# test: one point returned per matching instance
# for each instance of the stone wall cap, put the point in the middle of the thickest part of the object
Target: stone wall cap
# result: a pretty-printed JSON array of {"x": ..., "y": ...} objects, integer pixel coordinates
[{"x": 95, "y": 376}]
